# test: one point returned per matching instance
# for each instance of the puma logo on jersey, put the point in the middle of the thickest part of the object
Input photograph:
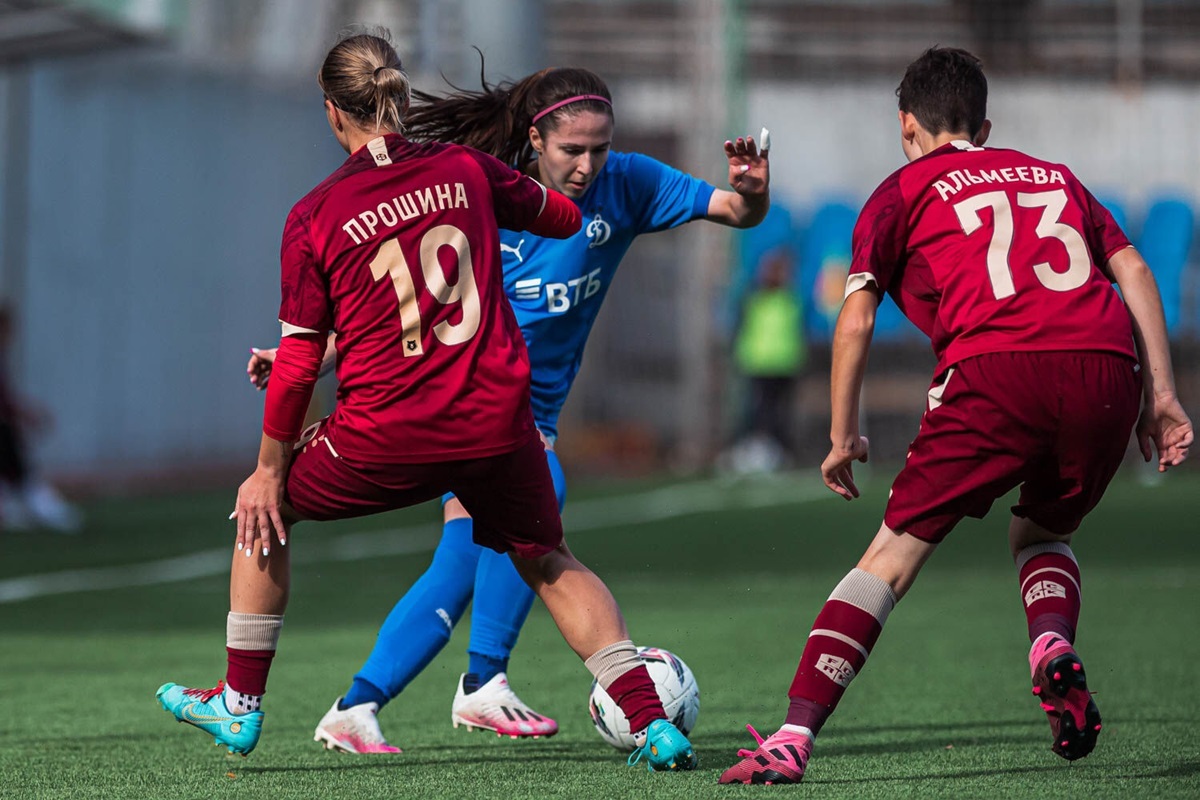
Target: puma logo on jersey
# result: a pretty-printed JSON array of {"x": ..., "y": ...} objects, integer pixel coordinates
[
  {"x": 516, "y": 251},
  {"x": 836, "y": 669},
  {"x": 1042, "y": 590},
  {"x": 598, "y": 230}
]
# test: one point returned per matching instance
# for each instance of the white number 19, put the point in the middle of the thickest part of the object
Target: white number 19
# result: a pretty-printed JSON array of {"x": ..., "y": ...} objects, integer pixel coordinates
[
  {"x": 390, "y": 260},
  {"x": 999, "y": 270}
]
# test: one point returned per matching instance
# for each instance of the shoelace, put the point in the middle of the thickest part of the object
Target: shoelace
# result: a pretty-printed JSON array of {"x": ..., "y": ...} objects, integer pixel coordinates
[
  {"x": 637, "y": 754},
  {"x": 206, "y": 694},
  {"x": 744, "y": 753}
]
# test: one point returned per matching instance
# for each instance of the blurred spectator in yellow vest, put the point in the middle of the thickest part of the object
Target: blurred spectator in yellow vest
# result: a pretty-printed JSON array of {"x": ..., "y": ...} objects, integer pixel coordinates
[{"x": 770, "y": 351}]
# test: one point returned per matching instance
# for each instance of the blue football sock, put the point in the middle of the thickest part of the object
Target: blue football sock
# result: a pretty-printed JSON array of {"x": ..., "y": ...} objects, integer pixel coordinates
[
  {"x": 481, "y": 669},
  {"x": 421, "y": 623},
  {"x": 363, "y": 692},
  {"x": 503, "y": 604}
]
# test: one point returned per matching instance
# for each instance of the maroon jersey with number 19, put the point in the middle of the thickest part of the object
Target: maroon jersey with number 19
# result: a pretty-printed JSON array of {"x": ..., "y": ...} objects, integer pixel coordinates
[
  {"x": 398, "y": 251},
  {"x": 989, "y": 250}
]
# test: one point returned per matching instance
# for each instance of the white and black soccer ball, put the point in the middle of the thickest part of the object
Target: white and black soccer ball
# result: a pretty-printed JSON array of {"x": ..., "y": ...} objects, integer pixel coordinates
[{"x": 676, "y": 688}]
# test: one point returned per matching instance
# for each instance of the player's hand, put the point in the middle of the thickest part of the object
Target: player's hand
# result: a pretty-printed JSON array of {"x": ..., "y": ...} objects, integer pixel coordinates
[
  {"x": 1165, "y": 424},
  {"x": 838, "y": 467},
  {"x": 258, "y": 369},
  {"x": 259, "y": 511},
  {"x": 749, "y": 170}
]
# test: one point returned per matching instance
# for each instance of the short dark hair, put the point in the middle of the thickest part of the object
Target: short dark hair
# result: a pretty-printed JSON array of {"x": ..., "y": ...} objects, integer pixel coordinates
[{"x": 946, "y": 90}]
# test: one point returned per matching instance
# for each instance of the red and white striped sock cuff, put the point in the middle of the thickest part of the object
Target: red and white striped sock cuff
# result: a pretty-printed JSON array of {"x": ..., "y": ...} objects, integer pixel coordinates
[
  {"x": 868, "y": 592},
  {"x": 611, "y": 662},
  {"x": 1034, "y": 550},
  {"x": 252, "y": 631}
]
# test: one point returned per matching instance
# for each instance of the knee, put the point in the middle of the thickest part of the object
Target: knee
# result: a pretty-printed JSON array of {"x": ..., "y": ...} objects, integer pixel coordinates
[
  {"x": 1024, "y": 532},
  {"x": 545, "y": 569}
]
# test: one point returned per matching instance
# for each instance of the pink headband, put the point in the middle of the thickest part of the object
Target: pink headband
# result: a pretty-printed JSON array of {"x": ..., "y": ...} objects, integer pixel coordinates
[{"x": 568, "y": 101}]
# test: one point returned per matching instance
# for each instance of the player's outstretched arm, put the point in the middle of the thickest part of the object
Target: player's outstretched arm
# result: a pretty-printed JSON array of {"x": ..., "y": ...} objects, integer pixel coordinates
[
  {"x": 750, "y": 178},
  {"x": 258, "y": 369},
  {"x": 1163, "y": 422},
  {"x": 851, "y": 342}
]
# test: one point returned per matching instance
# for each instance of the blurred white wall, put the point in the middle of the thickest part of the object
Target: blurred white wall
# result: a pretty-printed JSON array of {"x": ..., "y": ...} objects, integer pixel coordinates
[
  {"x": 156, "y": 207},
  {"x": 843, "y": 139}
]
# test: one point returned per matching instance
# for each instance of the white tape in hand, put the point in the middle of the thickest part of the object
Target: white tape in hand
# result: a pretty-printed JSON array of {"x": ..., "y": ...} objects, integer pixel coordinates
[{"x": 764, "y": 141}]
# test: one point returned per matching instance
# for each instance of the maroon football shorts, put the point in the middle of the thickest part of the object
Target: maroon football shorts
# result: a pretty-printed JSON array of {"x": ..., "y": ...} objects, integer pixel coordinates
[
  {"x": 509, "y": 496},
  {"x": 1056, "y": 423}
]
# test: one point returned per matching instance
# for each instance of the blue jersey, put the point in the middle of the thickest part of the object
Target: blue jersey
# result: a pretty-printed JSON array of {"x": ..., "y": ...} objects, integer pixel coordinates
[{"x": 556, "y": 286}]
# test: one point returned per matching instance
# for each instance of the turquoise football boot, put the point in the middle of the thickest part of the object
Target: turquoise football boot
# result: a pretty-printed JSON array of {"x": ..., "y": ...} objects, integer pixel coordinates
[
  {"x": 205, "y": 708},
  {"x": 665, "y": 748}
]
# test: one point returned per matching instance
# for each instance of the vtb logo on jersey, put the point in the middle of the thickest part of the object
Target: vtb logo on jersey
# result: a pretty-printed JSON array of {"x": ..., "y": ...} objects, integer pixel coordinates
[
  {"x": 1044, "y": 589},
  {"x": 560, "y": 297},
  {"x": 837, "y": 669},
  {"x": 598, "y": 230}
]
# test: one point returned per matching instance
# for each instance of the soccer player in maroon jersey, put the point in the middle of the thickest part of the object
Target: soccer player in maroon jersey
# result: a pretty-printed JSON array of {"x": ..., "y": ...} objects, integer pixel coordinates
[
  {"x": 1007, "y": 263},
  {"x": 399, "y": 252}
]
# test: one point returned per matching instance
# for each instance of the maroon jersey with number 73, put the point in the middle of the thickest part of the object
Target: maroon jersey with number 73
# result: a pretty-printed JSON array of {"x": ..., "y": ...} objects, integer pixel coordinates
[{"x": 989, "y": 250}]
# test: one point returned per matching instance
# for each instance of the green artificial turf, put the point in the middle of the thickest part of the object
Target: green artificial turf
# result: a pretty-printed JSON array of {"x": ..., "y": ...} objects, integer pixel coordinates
[{"x": 728, "y": 576}]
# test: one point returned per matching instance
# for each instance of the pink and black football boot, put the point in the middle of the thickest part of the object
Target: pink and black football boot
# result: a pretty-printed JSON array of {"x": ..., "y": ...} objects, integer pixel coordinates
[
  {"x": 1060, "y": 684},
  {"x": 780, "y": 758}
]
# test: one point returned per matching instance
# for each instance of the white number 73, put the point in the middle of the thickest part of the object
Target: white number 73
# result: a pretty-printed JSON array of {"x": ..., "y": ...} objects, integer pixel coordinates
[{"x": 1052, "y": 203}]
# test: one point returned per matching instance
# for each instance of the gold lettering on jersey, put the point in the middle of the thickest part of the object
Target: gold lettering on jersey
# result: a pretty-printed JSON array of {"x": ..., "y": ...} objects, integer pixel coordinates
[
  {"x": 367, "y": 223},
  {"x": 956, "y": 180}
]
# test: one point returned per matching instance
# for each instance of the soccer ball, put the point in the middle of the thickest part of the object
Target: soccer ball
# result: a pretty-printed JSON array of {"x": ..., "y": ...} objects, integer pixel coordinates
[{"x": 676, "y": 688}]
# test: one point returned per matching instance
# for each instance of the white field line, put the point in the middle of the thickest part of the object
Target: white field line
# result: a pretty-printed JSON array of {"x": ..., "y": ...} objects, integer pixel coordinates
[{"x": 644, "y": 507}]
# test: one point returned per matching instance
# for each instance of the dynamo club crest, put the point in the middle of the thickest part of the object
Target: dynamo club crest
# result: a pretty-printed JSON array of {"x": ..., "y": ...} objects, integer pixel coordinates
[{"x": 598, "y": 231}]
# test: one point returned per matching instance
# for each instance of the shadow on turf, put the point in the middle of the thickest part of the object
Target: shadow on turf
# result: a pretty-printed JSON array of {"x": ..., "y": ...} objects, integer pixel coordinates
[
  {"x": 943, "y": 776},
  {"x": 1100, "y": 772},
  {"x": 722, "y": 749},
  {"x": 413, "y": 757}
]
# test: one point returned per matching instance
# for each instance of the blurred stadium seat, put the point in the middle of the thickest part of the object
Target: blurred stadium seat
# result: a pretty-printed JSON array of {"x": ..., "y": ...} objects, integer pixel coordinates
[
  {"x": 824, "y": 263},
  {"x": 1117, "y": 209},
  {"x": 1166, "y": 242}
]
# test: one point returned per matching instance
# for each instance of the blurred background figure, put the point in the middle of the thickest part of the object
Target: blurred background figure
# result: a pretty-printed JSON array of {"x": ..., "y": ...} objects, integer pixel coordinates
[
  {"x": 769, "y": 352},
  {"x": 26, "y": 501}
]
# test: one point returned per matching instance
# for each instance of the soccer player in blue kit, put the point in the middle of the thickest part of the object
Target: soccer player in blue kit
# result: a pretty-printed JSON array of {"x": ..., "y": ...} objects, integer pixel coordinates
[{"x": 557, "y": 126}]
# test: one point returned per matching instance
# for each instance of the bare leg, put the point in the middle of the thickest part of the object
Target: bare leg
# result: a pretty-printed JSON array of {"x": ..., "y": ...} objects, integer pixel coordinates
[
  {"x": 1024, "y": 532},
  {"x": 581, "y": 605},
  {"x": 896, "y": 558},
  {"x": 258, "y": 584},
  {"x": 453, "y": 509}
]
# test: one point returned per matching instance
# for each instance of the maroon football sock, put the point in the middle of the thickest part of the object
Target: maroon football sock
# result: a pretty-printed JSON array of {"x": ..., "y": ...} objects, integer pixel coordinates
[
  {"x": 1050, "y": 589},
  {"x": 841, "y": 639},
  {"x": 634, "y": 692},
  {"x": 247, "y": 670}
]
